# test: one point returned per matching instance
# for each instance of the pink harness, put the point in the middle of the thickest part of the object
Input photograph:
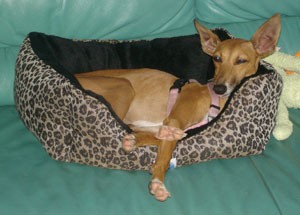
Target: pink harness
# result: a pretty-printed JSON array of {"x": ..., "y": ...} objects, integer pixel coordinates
[{"x": 213, "y": 110}]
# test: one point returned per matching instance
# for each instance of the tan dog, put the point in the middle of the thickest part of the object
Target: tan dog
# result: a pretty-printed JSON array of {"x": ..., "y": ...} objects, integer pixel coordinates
[{"x": 139, "y": 97}]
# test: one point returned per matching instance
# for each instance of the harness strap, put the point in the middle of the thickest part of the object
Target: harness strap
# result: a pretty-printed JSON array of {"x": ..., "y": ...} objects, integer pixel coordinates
[{"x": 172, "y": 99}]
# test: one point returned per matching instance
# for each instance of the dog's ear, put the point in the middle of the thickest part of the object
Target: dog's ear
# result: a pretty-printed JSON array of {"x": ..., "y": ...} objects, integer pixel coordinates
[
  {"x": 209, "y": 40},
  {"x": 266, "y": 37}
]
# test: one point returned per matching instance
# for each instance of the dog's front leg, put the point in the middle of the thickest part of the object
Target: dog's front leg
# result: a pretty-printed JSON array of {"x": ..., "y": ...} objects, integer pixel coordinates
[{"x": 159, "y": 169}]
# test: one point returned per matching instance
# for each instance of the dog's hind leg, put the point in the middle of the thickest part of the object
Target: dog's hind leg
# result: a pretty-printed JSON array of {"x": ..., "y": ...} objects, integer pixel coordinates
[
  {"x": 139, "y": 139},
  {"x": 119, "y": 99}
]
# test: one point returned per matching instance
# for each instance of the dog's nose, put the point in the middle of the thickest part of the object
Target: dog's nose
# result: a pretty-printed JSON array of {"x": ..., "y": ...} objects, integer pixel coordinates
[{"x": 220, "y": 89}]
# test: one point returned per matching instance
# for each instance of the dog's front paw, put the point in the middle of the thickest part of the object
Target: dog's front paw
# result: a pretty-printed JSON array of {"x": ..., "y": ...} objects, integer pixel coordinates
[
  {"x": 170, "y": 133},
  {"x": 129, "y": 142},
  {"x": 159, "y": 190}
]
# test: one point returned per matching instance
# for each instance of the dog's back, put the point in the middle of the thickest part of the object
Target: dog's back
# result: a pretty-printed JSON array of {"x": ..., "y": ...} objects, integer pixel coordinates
[{"x": 150, "y": 89}]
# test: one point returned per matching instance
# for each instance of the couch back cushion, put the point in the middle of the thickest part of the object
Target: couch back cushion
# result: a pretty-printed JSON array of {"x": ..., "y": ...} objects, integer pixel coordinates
[
  {"x": 235, "y": 11},
  {"x": 103, "y": 19}
]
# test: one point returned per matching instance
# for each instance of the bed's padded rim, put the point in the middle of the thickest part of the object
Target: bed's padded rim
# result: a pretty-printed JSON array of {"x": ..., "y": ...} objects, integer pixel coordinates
[{"x": 74, "y": 126}]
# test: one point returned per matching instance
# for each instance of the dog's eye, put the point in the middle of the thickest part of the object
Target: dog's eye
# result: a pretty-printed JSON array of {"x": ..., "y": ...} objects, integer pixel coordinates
[
  {"x": 240, "y": 61},
  {"x": 217, "y": 58}
]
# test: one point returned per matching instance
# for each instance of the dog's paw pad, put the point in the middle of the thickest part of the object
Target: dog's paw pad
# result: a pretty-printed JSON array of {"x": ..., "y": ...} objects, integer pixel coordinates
[
  {"x": 129, "y": 142},
  {"x": 159, "y": 190}
]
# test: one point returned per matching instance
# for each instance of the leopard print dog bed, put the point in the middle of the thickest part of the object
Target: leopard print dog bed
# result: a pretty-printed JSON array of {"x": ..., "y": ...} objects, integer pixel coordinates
[{"x": 75, "y": 125}]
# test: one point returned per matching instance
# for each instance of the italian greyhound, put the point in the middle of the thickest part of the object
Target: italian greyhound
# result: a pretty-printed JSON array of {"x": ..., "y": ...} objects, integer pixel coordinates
[{"x": 140, "y": 97}]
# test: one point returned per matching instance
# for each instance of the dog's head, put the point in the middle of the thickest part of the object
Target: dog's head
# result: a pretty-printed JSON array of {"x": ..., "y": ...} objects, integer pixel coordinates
[{"x": 235, "y": 59}]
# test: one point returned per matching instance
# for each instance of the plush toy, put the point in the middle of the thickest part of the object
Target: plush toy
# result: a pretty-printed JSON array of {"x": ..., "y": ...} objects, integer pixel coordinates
[{"x": 288, "y": 67}]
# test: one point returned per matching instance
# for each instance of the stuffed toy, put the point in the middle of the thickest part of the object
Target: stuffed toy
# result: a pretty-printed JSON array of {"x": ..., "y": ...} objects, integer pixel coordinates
[{"x": 288, "y": 67}]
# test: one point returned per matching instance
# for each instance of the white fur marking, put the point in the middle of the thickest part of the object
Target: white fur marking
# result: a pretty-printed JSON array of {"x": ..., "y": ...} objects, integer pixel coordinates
[{"x": 146, "y": 124}]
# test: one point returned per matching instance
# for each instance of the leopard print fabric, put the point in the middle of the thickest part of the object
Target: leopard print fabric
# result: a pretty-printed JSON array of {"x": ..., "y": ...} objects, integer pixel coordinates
[{"x": 74, "y": 126}]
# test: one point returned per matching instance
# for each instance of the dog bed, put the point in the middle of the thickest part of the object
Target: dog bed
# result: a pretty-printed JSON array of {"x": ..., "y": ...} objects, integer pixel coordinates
[{"x": 75, "y": 125}]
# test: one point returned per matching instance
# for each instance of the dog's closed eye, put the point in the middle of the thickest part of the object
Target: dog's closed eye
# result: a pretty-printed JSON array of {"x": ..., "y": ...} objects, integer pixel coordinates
[{"x": 241, "y": 61}]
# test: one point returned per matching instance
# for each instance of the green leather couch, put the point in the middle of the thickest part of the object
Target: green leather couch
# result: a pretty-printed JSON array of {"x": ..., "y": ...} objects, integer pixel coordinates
[{"x": 31, "y": 183}]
